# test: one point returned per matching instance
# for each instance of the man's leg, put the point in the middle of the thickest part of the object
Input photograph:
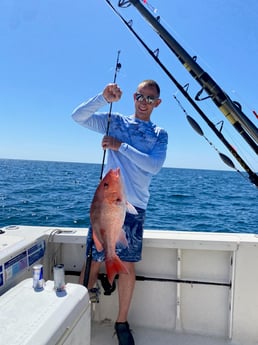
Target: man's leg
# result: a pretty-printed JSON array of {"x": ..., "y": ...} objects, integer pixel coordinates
[
  {"x": 94, "y": 271},
  {"x": 126, "y": 283}
]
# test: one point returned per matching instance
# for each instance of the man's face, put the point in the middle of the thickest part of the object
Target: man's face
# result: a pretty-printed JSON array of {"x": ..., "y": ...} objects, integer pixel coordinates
[{"x": 145, "y": 100}]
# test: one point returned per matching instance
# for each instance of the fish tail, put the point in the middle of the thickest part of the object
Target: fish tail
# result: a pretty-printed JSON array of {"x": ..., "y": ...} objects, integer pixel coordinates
[{"x": 113, "y": 266}]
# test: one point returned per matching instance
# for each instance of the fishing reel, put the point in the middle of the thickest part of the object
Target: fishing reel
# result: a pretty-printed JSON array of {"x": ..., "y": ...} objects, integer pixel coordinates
[{"x": 108, "y": 288}]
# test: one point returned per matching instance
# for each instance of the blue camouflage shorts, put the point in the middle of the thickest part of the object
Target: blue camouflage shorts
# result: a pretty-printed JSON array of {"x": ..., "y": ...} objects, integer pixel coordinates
[{"x": 133, "y": 228}]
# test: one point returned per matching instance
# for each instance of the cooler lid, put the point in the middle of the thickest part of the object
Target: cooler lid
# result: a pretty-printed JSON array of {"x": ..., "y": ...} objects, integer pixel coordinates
[{"x": 30, "y": 317}]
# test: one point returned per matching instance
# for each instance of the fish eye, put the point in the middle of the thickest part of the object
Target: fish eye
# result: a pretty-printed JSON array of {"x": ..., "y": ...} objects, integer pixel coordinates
[{"x": 105, "y": 185}]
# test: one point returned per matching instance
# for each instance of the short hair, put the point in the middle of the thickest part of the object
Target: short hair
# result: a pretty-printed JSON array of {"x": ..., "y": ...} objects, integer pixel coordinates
[{"x": 150, "y": 83}]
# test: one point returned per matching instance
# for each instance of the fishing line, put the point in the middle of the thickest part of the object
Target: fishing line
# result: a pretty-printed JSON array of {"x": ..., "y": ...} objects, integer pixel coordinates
[
  {"x": 247, "y": 105},
  {"x": 89, "y": 255},
  {"x": 225, "y": 128},
  {"x": 252, "y": 176},
  {"x": 152, "y": 8},
  {"x": 236, "y": 141},
  {"x": 199, "y": 130},
  {"x": 163, "y": 20}
]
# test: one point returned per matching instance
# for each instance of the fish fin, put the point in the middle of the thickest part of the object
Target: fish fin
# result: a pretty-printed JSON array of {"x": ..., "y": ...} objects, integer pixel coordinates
[
  {"x": 122, "y": 241},
  {"x": 130, "y": 208},
  {"x": 113, "y": 266},
  {"x": 97, "y": 243}
]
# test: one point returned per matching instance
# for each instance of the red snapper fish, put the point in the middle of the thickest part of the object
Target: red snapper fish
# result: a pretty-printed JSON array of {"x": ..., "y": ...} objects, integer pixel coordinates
[{"x": 107, "y": 215}]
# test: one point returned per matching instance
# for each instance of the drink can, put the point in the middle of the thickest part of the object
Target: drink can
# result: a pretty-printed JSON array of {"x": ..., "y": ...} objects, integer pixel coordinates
[
  {"x": 59, "y": 277},
  {"x": 38, "y": 277}
]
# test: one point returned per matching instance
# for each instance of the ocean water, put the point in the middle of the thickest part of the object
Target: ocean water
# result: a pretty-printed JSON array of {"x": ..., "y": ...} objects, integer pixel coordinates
[{"x": 59, "y": 194}]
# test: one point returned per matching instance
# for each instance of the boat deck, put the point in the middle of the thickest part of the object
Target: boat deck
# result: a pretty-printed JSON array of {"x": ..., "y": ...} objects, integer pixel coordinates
[{"x": 103, "y": 334}]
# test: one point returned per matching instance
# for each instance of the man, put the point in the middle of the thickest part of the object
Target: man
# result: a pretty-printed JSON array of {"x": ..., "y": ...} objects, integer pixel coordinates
[{"x": 138, "y": 147}]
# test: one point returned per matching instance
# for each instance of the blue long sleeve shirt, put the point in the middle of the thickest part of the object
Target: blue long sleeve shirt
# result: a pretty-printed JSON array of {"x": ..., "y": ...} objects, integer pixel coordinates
[{"x": 141, "y": 154}]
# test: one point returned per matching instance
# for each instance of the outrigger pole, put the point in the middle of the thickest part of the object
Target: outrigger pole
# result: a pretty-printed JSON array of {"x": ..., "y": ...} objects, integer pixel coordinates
[{"x": 232, "y": 110}]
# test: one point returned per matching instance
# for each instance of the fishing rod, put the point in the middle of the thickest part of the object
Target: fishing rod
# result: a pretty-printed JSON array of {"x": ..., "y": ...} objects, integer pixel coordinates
[
  {"x": 89, "y": 255},
  {"x": 154, "y": 54},
  {"x": 103, "y": 278},
  {"x": 231, "y": 110},
  {"x": 117, "y": 69},
  {"x": 108, "y": 289}
]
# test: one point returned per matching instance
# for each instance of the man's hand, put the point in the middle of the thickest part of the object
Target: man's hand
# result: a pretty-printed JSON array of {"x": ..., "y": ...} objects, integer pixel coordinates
[
  {"x": 110, "y": 143},
  {"x": 112, "y": 93}
]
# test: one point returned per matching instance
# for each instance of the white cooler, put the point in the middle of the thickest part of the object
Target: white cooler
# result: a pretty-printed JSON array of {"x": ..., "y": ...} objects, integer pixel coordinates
[{"x": 46, "y": 317}]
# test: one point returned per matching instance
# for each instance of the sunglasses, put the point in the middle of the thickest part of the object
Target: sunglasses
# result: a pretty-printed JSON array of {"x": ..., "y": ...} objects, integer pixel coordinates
[{"x": 149, "y": 99}]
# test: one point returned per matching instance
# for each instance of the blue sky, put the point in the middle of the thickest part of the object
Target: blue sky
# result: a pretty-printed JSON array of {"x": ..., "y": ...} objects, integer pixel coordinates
[{"x": 56, "y": 54}]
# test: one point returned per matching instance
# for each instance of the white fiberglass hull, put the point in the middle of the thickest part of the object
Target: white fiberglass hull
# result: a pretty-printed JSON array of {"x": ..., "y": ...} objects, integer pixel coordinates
[{"x": 196, "y": 287}]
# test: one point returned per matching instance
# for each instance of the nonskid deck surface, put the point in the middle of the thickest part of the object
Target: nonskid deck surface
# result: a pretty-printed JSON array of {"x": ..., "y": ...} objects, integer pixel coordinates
[{"x": 103, "y": 334}]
